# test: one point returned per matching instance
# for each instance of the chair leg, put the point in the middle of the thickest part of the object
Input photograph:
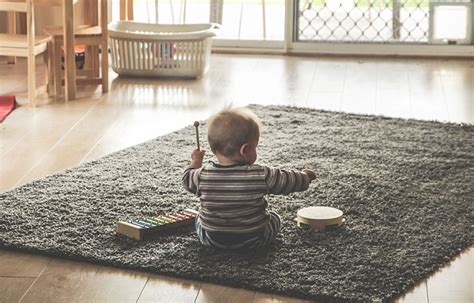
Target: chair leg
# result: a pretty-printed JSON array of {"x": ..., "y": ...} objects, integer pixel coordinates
[
  {"x": 91, "y": 60},
  {"x": 95, "y": 61},
  {"x": 87, "y": 55},
  {"x": 105, "y": 66},
  {"x": 57, "y": 67},
  {"x": 11, "y": 27},
  {"x": 32, "y": 80},
  {"x": 50, "y": 64}
]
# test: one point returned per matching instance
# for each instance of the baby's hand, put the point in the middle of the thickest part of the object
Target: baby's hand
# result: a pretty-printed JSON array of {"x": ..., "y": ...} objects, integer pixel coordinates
[
  {"x": 310, "y": 174},
  {"x": 198, "y": 154},
  {"x": 196, "y": 158}
]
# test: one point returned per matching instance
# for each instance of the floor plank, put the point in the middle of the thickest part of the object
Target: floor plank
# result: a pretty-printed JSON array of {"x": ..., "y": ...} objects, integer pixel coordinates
[
  {"x": 46, "y": 131},
  {"x": 418, "y": 294},
  {"x": 166, "y": 289},
  {"x": 460, "y": 100},
  {"x": 330, "y": 76},
  {"x": 429, "y": 106},
  {"x": 61, "y": 281},
  {"x": 455, "y": 282},
  {"x": 211, "y": 293},
  {"x": 325, "y": 100},
  {"x": 67, "y": 153},
  {"x": 295, "y": 81},
  {"x": 12, "y": 289},
  {"x": 13, "y": 129},
  {"x": 19, "y": 264},
  {"x": 393, "y": 103},
  {"x": 359, "y": 102},
  {"x": 114, "y": 285},
  {"x": 7, "y": 70},
  {"x": 272, "y": 298}
]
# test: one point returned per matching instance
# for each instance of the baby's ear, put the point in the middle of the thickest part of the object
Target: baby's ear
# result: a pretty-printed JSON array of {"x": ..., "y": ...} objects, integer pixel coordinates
[{"x": 244, "y": 149}]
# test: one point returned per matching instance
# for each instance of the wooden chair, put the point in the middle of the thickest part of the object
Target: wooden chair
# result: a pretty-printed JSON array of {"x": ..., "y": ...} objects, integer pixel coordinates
[
  {"x": 126, "y": 10},
  {"x": 93, "y": 35},
  {"x": 29, "y": 45}
]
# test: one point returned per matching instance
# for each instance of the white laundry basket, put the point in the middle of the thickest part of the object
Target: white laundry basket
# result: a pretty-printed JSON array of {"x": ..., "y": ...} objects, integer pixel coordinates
[{"x": 146, "y": 49}]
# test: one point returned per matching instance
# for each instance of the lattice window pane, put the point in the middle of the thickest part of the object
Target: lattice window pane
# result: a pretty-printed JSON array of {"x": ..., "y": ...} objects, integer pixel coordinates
[{"x": 386, "y": 21}]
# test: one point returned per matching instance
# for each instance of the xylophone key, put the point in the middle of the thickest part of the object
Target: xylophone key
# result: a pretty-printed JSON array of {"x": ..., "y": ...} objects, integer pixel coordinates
[
  {"x": 166, "y": 219},
  {"x": 147, "y": 224},
  {"x": 136, "y": 224},
  {"x": 140, "y": 223},
  {"x": 156, "y": 223},
  {"x": 159, "y": 220},
  {"x": 189, "y": 214},
  {"x": 176, "y": 218},
  {"x": 182, "y": 217}
]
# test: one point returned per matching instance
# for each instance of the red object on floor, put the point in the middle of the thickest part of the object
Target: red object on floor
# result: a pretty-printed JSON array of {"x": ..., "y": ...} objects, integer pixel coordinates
[{"x": 7, "y": 104}]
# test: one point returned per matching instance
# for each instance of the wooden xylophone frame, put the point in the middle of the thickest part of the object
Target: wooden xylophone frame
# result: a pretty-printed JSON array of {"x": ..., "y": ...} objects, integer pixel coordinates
[{"x": 138, "y": 229}]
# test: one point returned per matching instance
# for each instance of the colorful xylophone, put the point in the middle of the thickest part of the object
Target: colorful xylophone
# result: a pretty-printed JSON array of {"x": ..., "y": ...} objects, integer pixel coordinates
[{"x": 137, "y": 229}]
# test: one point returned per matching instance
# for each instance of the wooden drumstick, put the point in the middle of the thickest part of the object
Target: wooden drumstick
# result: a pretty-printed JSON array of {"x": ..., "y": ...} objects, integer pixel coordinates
[{"x": 196, "y": 125}]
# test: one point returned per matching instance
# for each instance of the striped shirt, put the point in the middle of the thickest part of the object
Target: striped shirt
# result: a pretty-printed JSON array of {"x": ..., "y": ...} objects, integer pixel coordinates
[{"x": 232, "y": 197}]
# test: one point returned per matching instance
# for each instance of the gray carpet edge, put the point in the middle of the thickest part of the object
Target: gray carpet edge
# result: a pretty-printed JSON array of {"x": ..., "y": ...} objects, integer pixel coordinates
[
  {"x": 447, "y": 260},
  {"x": 251, "y": 106}
]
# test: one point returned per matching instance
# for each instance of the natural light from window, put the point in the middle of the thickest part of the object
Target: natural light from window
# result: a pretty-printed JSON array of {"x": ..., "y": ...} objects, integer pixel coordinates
[
  {"x": 450, "y": 22},
  {"x": 241, "y": 19},
  {"x": 381, "y": 21}
]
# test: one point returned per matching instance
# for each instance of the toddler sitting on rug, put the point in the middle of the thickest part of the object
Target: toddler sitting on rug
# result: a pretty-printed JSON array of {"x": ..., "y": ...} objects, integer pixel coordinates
[{"x": 233, "y": 212}]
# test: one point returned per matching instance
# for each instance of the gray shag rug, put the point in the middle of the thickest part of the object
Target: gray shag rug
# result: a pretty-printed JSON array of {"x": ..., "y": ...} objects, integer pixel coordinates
[{"x": 406, "y": 188}]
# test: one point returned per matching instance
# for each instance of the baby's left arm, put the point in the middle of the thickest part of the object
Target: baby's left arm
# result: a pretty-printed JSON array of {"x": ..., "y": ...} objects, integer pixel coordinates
[{"x": 283, "y": 182}]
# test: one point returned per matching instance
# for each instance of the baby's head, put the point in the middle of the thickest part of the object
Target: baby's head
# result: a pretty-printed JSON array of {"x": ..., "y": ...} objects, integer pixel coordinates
[{"x": 233, "y": 134}]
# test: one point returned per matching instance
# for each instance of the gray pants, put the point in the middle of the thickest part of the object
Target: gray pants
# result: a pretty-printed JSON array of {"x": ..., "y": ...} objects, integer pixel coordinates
[{"x": 267, "y": 236}]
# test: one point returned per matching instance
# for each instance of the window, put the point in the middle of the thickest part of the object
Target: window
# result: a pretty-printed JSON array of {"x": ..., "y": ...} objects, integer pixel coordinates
[{"x": 240, "y": 19}]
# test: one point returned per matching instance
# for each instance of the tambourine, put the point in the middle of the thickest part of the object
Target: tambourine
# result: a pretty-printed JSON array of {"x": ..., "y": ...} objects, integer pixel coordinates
[{"x": 319, "y": 217}]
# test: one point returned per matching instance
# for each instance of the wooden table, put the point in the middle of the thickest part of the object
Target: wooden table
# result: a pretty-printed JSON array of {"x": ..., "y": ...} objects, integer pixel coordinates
[{"x": 69, "y": 55}]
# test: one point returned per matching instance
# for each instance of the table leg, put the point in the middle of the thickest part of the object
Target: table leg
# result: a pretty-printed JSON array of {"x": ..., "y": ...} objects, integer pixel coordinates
[
  {"x": 69, "y": 56},
  {"x": 11, "y": 30}
]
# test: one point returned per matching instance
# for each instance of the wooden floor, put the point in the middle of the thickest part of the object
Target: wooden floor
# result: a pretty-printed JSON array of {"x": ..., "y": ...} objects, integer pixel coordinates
[{"x": 35, "y": 142}]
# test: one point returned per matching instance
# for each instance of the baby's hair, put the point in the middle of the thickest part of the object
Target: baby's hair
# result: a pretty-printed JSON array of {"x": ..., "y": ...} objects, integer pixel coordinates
[{"x": 230, "y": 128}]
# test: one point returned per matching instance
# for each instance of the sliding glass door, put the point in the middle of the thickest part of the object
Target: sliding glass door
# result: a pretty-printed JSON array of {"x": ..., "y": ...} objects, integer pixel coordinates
[
  {"x": 330, "y": 26},
  {"x": 383, "y": 21}
]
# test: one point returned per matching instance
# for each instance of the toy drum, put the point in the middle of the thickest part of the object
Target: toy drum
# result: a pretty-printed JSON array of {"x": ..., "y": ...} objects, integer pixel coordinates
[{"x": 319, "y": 217}]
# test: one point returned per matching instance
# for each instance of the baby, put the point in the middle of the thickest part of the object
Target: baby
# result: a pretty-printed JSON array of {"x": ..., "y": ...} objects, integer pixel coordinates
[{"x": 233, "y": 211}]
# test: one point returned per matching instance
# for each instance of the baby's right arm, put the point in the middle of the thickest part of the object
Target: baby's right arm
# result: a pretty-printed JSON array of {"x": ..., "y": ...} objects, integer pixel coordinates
[
  {"x": 283, "y": 182},
  {"x": 190, "y": 177}
]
